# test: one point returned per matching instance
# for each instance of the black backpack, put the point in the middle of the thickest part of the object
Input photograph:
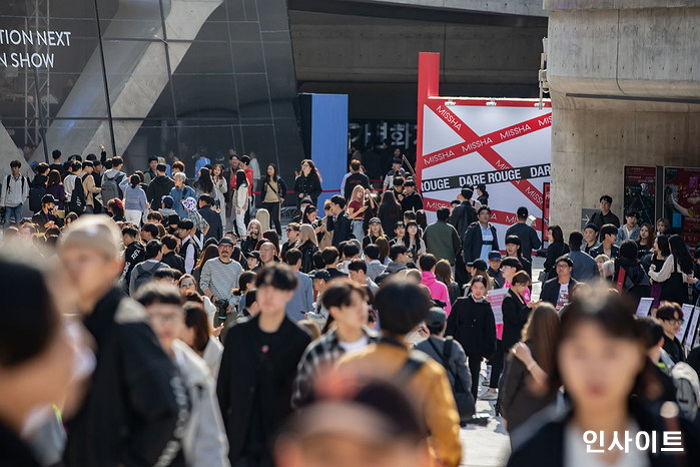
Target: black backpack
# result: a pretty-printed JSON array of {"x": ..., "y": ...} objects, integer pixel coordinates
[
  {"x": 36, "y": 193},
  {"x": 76, "y": 203},
  {"x": 466, "y": 405}
]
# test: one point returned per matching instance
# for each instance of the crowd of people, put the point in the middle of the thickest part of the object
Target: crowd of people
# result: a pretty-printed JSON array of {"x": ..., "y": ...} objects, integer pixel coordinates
[{"x": 163, "y": 319}]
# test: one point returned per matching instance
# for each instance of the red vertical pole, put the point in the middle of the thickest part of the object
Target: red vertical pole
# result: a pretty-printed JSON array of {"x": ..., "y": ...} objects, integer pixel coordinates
[{"x": 428, "y": 86}]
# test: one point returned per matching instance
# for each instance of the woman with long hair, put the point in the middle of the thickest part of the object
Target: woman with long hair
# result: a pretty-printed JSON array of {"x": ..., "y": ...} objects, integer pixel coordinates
[
  {"x": 55, "y": 187},
  {"x": 413, "y": 240},
  {"x": 384, "y": 250},
  {"x": 674, "y": 272},
  {"x": 273, "y": 191},
  {"x": 472, "y": 324},
  {"x": 240, "y": 201},
  {"x": 663, "y": 226},
  {"x": 482, "y": 195},
  {"x": 443, "y": 273},
  {"x": 198, "y": 335},
  {"x": 389, "y": 211},
  {"x": 307, "y": 243},
  {"x": 556, "y": 248},
  {"x": 308, "y": 183},
  {"x": 524, "y": 391},
  {"x": 204, "y": 184},
  {"x": 374, "y": 231},
  {"x": 188, "y": 285},
  {"x": 252, "y": 235},
  {"x": 645, "y": 242},
  {"x": 220, "y": 190},
  {"x": 356, "y": 211},
  {"x": 600, "y": 360},
  {"x": 209, "y": 252},
  {"x": 135, "y": 201},
  {"x": 115, "y": 209}
]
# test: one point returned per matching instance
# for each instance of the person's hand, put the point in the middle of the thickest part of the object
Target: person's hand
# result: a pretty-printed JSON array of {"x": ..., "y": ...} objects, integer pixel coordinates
[
  {"x": 522, "y": 352},
  {"x": 102, "y": 147},
  {"x": 534, "y": 304},
  {"x": 652, "y": 267},
  {"x": 217, "y": 330}
]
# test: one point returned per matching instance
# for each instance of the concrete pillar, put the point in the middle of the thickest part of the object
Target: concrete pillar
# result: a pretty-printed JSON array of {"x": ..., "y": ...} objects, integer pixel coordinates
[{"x": 625, "y": 86}]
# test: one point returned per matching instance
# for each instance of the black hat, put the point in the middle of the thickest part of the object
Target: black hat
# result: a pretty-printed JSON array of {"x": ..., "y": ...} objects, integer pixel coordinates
[
  {"x": 306, "y": 200},
  {"x": 46, "y": 199},
  {"x": 513, "y": 239},
  {"x": 227, "y": 241},
  {"x": 252, "y": 254},
  {"x": 479, "y": 264},
  {"x": 320, "y": 274},
  {"x": 494, "y": 255},
  {"x": 436, "y": 317}
]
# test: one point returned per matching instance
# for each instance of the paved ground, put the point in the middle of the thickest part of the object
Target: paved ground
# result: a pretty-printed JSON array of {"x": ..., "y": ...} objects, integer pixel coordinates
[{"x": 490, "y": 445}]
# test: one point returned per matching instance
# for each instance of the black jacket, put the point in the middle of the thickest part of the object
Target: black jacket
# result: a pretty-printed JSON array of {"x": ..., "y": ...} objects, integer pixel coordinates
[
  {"x": 554, "y": 251},
  {"x": 473, "y": 325},
  {"x": 249, "y": 371},
  {"x": 636, "y": 282},
  {"x": 175, "y": 261},
  {"x": 600, "y": 220},
  {"x": 134, "y": 254},
  {"x": 307, "y": 254},
  {"x": 357, "y": 178},
  {"x": 528, "y": 238},
  {"x": 310, "y": 186},
  {"x": 341, "y": 228},
  {"x": 129, "y": 413},
  {"x": 159, "y": 187},
  {"x": 40, "y": 219},
  {"x": 213, "y": 218},
  {"x": 515, "y": 314},
  {"x": 412, "y": 202},
  {"x": 540, "y": 441},
  {"x": 550, "y": 290},
  {"x": 599, "y": 250},
  {"x": 462, "y": 217},
  {"x": 472, "y": 242}
]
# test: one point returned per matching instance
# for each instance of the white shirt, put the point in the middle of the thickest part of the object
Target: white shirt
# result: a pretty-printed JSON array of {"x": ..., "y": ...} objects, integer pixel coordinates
[
  {"x": 359, "y": 344},
  {"x": 13, "y": 193},
  {"x": 563, "y": 298}
]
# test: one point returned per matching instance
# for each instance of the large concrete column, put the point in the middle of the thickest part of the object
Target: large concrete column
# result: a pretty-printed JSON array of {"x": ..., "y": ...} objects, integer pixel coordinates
[{"x": 625, "y": 86}]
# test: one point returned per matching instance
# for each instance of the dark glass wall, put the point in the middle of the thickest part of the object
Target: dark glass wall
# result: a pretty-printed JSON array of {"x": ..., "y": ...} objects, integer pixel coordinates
[{"x": 154, "y": 77}]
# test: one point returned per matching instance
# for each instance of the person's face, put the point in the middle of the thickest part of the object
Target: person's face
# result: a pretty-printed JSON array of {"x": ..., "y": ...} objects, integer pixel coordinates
[
  {"x": 412, "y": 230},
  {"x": 495, "y": 264},
  {"x": 400, "y": 231},
  {"x": 335, "y": 208},
  {"x": 272, "y": 299},
  {"x": 631, "y": 221},
  {"x": 644, "y": 232},
  {"x": 598, "y": 370},
  {"x": 167, "y": 321},
  {"x": 403, "y": 258},
  {"x": 563, "y": 270},
  {"x": 270, "y": 170},
  {"x": 49, "y": 207},
  {"x": 671, "y": 326},
  {"x": 312, "y": 216},
  {"x": 225, "y": 251},
  {"x": 511, "y": 249},
  {"x": 146, "y": 236},
  {"x": 484, "y": 217},
  {"x": 89, "y": 270},
  {"x": 550, "y": 237},
  {"x": 234, "y": 162},
  {"x": 353, "y": 316},
  {"x": 153, "y": 165},
  {"x": 253, "y": 230},
  {"x": 588, "y": 235},
  {"x": 604, "y": 206},
  {"x": 508, "y": 272},
  {"x": 609, "y": 238},
  {"x": 660, "y": 227},
  {"x": 15, "y": 171},
  {"x": 267, "y": 253},
  {"x": 374, "y": 228},
  {"x": 478, "y": 290},
  {"x": 88, "y": 169},
  {"x": 407, "y": 189},
  {"x": 306, "y": 169},
  {"x": 358, "y": 276},
  {"x": 319, "y": 285},
  {"x": 252, "y": 262},
  {"x": 292, "y": 235},
  {"x": 187, "y": 285},
  {"x": 182, "y": 233},
  {"x": 519, "y": 288},
  {"x": 396, "y": 167},
  {"x": 178, "y": 182}
]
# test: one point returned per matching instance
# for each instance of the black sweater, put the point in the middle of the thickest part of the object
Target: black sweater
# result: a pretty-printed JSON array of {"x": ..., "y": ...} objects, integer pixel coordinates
[{"x": 473, "y": 325}]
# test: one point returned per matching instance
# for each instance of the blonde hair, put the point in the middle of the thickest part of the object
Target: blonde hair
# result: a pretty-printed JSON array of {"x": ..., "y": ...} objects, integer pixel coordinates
[
  {"x": 306, "y": 233},
  {"x": 255, "y": 222},
  {"x": 357, "y": 189},
  {"x": 263, "y": 216}
]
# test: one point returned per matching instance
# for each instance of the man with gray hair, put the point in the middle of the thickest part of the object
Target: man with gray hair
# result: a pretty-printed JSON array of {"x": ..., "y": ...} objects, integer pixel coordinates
[
  {"x": 181, "y": 192},
  {"x": 129, "y": 413}
]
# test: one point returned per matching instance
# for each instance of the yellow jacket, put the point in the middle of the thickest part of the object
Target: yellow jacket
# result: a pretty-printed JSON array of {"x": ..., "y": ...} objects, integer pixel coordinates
[{"x": 429, "y": 387}]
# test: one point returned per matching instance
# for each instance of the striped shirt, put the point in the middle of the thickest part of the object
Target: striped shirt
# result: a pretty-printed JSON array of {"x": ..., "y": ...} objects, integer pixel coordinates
[
  {"x": 220, "y": 278},
  {"x": 321, "y": 353}
]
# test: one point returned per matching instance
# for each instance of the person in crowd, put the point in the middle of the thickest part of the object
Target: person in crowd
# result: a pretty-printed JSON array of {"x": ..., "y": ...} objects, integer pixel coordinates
[
  {"x": 441, "y": 238},
  {"x": 135, "y": 202},
  {"x": 355, "y": 177},
  {"x": 204, "y": 184},
  {"x": 411, "y": 201},
  {"x": 585, "y": 268},
  {"x": 674, "y": 273},
  {"x": 261, "y": 353},
  {"x": 303, "y": 299},
  {"x": 129, "y": 413},
  {"x": 480, "y": 268},
  {"x": 399, "y": 259},
  {"x": 472, "y": 324},
  {"x": 590, "y": 238},
  {"x": 166, "y": 207},
  {"x": 514, "y": 250},
  {"x": 39, "y": 363},
  {"x": 464, "y": 214},
  {"x": 629, "y": 231},
  {"x": 254, "y": 165},
  {"x": 413, "y": 240},
  {"x": 607, "y": 247},
  {"x": 396, "y": 171},
  {"x": 482, "y": 195},
  {"x": 220, "y": 276},
  {"x": 399, "y": 234},
  {"x": 425, "y": 378},
  {"x": 159, "y": 186},
  {"x": 357, "y": 270},
  {"x": 556, "y": 248},
  {"x": 663, "y": 227},
  {"x": 273, "y": 190},
  {"x": 111, "y": 180},
  {"x": 180, "y": 192},
  {"x": 213, "y": 218},
  {"x": 149, "y": 231},
  {"x": 515, "y": 314},
  {"x": 630, "y": 276},
  {"x": 56, "y": 163},
  {"x": 115, "y": 210},
  {"x": 151, "y": 172},
  {"x": 338, "y": 221},
  {"x": 389, "y": 211},
  {"x": 202, "y": 441},
  {"x": 330, "y": 257},
  {"x": 144, "y": 271},
  {"x": 189, "y": 250},
  {"x": 379, "y": 425},
  {"x": 55, "y": 188},
  {"x": 346, "y": 301},
  {"x": 307, "y": 244},
  {"x": 605, "y": 216},
  {"x": 557, "y": 290},
  {"x": 443, "y": 273},
  {"x": 524, "y": 388},
  {"x": 438, "y": 290},
  {"x": 374, "y": 232},
  {"x": 73, "y": 185},
  {"x": 252, "y": 236},
  {"x": 292, "y": 231},
  {"x": 37, "y": 188},
  {"x": 494, "y": 270},
  {"x": 46, "y": 217},
  {"x": 374, "y": 264},
  {"x": 600, "y": 360},
  {"x": 134, "y": 253},
  {"x": 90, "y": 188},
  {"x": 220, "y": 190},
  {"x": 356, "y": 211},
  {"x": 15, "y": 191},
  {"x": 660, "y": 251},
  {"x": 645, "y": 242},
  {"x": 308, "y": 183},
  {"x": 268, "y": 253},
  {"x": 480, "y": 237},
  {"x": 188, "y": 286},
  {"x": 240, "y": 206},
  {"x": 198, "y": 335},
  {"x": 170, "y": 256}
]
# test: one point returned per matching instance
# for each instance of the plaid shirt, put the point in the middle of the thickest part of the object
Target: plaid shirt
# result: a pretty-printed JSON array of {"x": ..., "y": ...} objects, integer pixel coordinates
[{"x": 320, "y": 354}]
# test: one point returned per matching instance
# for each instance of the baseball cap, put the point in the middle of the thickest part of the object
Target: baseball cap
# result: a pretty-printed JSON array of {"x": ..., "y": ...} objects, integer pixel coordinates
[
  {"x": 375, "y": 220},
  {"x": 227, "y": 241},
  {"x": 306, "y": 200},
  {"x": 436, "y": 317},
  {"x": 48, "y": 199},
  {"x": 252, "y": 254},
  {"x": 494, "y": 255},
  {"x": 320, "y": 274}
]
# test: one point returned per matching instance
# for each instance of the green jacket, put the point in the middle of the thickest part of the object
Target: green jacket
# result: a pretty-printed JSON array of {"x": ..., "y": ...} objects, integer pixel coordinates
[{"x": 442, "y": 240}]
